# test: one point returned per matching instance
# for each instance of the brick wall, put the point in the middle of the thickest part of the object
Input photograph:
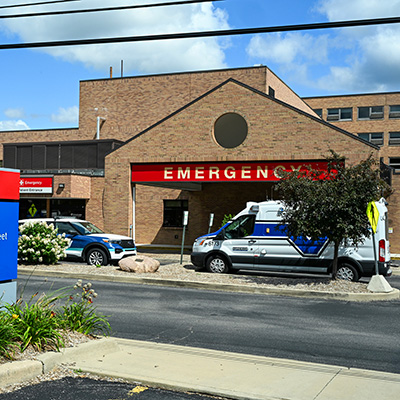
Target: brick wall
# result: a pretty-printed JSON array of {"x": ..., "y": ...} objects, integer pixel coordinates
[
  {"x": 94, "y": 205},
  {"x": 385, "y": 125},
  {"x": 131, "y": 105},
  {"x": 28, "y": 136},
  {"x": 285, "y": 94},
  {"x": 356, "y": 126},
  {"x": 276, "y": 132}
]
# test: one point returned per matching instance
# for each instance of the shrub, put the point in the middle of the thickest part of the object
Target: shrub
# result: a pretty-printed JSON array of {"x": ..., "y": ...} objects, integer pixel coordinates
[
  {"x": 39, "y": 243},
  {"x": 8, "y": 335},
  {"x": 79, "y": 314},
  {"x": 36, "y": 324},
  {"x": 42, "y": 322}
]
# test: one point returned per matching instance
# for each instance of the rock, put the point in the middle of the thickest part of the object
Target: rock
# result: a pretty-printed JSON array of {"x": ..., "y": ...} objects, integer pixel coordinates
[{"x": 139, "y": 264}]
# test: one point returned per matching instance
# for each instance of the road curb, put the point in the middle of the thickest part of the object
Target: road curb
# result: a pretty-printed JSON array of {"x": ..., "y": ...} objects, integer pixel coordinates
[
  {"x": 25, "y": 370},
  {"x": 360, "y": 297},
  {"x": 69, "y": 354},
  {"x": 19, "y": 371}
]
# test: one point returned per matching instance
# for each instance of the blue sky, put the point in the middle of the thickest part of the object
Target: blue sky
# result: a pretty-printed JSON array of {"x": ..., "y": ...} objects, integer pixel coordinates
[{"x": 40, "y": 88}]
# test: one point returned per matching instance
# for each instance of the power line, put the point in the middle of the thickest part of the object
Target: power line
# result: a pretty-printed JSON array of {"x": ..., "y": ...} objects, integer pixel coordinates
[
  {"x": 189, "y": 35},
  {"x": 37, "y": 4},
  {"x": 91, "y": 10}
]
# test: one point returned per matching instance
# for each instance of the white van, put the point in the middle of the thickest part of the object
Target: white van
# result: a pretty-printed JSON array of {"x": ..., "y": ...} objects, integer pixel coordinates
[{"x": 254, "y": 239}]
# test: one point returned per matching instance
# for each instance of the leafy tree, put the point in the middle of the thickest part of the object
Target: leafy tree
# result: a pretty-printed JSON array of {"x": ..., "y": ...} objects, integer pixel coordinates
[{"x": 331, "y": 203}]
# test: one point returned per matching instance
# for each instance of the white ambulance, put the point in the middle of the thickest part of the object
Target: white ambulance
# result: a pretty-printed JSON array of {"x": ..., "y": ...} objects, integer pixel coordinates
[{"x": 256, "y": 240}]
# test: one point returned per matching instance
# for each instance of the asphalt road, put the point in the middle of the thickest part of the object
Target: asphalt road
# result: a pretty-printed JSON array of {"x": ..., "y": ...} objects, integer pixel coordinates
[
  {"x": 361, "y": 335},
  {"x": 89, "y": 389}
]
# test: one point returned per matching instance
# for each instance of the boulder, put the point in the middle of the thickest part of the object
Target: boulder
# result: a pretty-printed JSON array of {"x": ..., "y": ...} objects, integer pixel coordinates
[{"x": 139, "y": 264}]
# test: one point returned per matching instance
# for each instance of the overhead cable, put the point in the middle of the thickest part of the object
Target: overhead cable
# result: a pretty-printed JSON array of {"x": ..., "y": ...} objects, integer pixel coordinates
[
  {"x": 118, "y": 8},
  {"x": 36, "y": 4},
  {"x": 189, "y": 35}
]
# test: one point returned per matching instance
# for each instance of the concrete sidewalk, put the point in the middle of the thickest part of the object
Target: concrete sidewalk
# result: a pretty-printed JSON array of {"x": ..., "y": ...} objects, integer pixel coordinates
[
  {"x": 219, "y": 373},
  {"x": 236, "y": 376}
]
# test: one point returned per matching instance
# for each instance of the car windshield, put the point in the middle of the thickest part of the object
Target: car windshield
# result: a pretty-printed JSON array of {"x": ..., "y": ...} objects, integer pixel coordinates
[{"x": 85, "y": 228}]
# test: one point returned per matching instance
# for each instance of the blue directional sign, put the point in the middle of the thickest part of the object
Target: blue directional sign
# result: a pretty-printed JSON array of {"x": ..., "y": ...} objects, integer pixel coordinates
[
  {"x": 8, "y": 240},
  {"x": 9, "y": 209}
]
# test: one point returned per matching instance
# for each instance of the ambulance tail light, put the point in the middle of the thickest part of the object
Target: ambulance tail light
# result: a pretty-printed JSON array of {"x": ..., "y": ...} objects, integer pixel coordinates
[{"x": 382, "y": 250}]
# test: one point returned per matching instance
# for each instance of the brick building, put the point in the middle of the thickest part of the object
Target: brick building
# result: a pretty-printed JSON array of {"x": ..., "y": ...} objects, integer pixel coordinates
[{"x": 149, "y": 147}]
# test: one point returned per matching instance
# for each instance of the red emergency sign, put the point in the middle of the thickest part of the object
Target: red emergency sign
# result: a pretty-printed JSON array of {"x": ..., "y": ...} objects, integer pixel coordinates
[
  {"x": 36, "y": 184},
  {"x": 219, "y": 172}
]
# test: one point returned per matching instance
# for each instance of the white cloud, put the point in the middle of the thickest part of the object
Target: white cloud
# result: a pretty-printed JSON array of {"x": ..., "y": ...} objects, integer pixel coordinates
[
  {"x": 359, "y": 59},
  {"x": 145, "y": 57},
  {"x": 66, "y": 115},
  {"x": 13, "y": 125},
  {"x": 373, "y": 53},
  {"x": 340, "y": 10},
  {"x": 14, "y": 113},
  {"x": 290, "y": 47}
]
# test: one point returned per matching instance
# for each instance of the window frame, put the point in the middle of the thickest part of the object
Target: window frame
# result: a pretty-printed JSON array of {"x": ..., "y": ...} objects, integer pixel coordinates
[
  {"x": 394, "y": 141},
  {"x": 318, "y": 111},
  {"x": 394, "y": 114},
  {"x": 338, "y": 116},
  {"x": 372, "y": 115},
  {"x": 395, "y": 165},
  {"x": 176, "y": 221},
  {"x": 376, "y": 141}
]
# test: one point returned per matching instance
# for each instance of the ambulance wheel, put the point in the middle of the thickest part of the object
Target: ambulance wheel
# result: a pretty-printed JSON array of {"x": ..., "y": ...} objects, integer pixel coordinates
[
  {"x": 96, "y": 257},
  {"x": 217, "y": 264},
  {"x": 347, "y": 272}
]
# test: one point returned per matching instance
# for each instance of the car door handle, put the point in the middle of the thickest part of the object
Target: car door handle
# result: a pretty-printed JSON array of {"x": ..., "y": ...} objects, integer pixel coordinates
[{"x": 252, "y": 241}]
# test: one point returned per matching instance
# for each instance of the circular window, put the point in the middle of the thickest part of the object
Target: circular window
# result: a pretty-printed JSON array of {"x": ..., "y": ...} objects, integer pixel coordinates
[{"x": 230, "y": 130}]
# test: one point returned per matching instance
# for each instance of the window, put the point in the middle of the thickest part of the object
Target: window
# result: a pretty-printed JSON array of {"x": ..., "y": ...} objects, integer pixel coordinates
[
  {"x": 340, "y": 114},
  {"x": 394, "y": 111},
  {"x": 394, "y": 162},
  {"x": 394, "y": 138},
  {"x": 241, "y": 227},
  {"x": 318, "y": 111},
  {"x": 173, "y": 212},
  {"x": 65, "y": 227},
  {"x": 69, "y": 155},
  {"x": 271, "y": 92},
  {"x": 230, "y": 130},
  {"x": 370, "y": 112},
  {"x": 374, "y": 138}
]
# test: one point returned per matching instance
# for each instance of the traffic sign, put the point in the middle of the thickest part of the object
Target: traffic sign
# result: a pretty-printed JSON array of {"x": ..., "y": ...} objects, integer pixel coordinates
[{"x": 373, "y": 215}]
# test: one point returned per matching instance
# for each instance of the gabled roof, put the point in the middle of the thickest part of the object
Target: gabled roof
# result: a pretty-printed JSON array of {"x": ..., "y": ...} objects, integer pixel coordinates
[{"x": 260, "y": 93}]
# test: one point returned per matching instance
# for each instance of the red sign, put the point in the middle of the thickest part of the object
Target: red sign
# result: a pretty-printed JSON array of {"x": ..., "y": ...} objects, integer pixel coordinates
[
  {"x": 9, "y": 184},
  {"x": 36, "y": 185},
  {"x": 219, "y": 172}
]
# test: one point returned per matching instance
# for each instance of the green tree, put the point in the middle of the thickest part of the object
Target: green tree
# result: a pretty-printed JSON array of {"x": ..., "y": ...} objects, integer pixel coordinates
[{"x": 332, "y": 203}]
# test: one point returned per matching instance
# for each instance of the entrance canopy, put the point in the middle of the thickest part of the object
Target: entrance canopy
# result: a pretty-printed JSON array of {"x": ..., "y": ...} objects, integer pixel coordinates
[{"x": 179, "y": 175}]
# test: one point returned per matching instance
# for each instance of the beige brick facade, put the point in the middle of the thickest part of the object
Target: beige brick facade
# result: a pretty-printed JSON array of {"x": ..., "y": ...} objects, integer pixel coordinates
[
  {"x": 130, "y": 105},
  {"x": 385, "y": 125},
  {"x": 276, "y": 132},
  {"x": 358, "y": 126},
  {"x": 48, "y": 135},
  {"x": 170, "y": 118}
]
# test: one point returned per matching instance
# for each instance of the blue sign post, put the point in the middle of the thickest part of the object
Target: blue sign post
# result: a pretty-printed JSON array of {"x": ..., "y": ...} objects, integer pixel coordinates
[{"x": 9, "y": 209}]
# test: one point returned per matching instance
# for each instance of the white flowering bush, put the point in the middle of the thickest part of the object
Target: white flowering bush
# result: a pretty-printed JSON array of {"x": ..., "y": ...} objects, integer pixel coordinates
[{"x": 39, "y": 243}]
